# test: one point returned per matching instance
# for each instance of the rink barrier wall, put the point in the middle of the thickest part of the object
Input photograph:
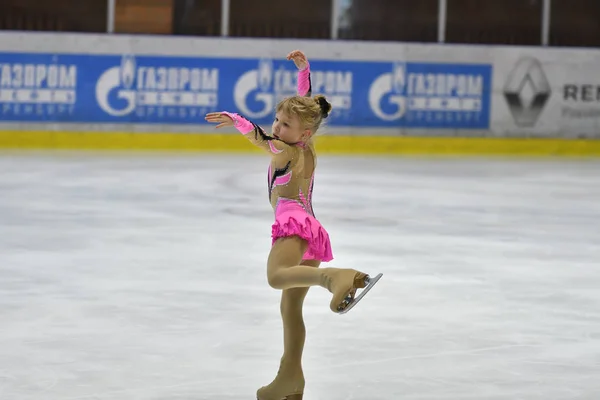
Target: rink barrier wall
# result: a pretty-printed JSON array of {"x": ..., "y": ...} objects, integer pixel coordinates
[
  {"x": 355, "y": 145},
  {"x": 150, "y": 92}
]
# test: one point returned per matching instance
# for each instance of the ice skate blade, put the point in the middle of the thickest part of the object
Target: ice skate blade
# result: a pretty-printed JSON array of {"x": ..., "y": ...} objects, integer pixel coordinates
[{"x": 370, "y": 281}]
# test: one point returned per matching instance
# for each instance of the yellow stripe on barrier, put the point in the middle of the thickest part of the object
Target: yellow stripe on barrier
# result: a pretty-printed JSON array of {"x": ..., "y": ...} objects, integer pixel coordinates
[
  {"x": 326, "y": 144},
  {"x": 123, "y": 141}
]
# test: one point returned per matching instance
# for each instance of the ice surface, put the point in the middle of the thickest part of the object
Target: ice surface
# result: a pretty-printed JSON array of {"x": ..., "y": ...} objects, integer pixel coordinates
[{"x": 143, "y": 277}]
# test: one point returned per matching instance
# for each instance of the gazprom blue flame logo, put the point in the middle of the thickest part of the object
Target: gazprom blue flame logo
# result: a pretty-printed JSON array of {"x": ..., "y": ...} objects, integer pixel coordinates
[
  {"x": 256, "y": 86},
  {"x": 117, "y": 77},
  {"x": 389, "y": 86},
  {"x": 127, "y": 71},
  {"x": 265, "y": 74},
  {"x": 399, "y": 71}
]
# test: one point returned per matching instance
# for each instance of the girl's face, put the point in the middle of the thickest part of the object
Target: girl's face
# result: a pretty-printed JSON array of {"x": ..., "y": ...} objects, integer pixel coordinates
[{"x": 288, "y": 129}]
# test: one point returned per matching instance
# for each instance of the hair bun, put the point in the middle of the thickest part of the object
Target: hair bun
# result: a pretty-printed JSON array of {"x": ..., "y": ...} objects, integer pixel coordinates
[{"x": 324, "y": 104}]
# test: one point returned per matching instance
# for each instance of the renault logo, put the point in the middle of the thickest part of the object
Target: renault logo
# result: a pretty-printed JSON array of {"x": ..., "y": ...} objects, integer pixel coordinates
[{"x": 527, "y": 72}]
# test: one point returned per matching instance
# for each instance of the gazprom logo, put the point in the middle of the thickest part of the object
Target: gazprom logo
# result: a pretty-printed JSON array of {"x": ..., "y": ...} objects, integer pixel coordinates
[
  {"x": 254, "y": 87},
  {"x": 389, "y": 86},
  {"x": 114, "y": 78},
  {"x": 257, "y": 91},
  {"x": 148, "y": 88}
]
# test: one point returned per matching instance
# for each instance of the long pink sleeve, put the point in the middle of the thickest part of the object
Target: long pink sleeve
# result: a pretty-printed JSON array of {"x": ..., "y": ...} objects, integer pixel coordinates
[
  {"x": 304, "y": 84},
  {"x": 256, "y": 135},
  {"x": 240, "y": 123}
]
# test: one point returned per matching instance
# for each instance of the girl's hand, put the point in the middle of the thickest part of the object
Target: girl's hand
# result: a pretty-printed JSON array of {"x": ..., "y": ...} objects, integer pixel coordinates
[
  {"x": 299, "y": 59},
  {"x": 221, "y": 119}
]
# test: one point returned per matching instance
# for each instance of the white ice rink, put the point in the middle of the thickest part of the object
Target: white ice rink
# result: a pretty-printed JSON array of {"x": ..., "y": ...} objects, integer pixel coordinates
[{"x": 143, "y": 278}]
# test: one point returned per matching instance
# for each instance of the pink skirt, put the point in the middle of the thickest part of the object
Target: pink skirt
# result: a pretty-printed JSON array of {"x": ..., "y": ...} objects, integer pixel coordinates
[{"x": 291, "y": 219}]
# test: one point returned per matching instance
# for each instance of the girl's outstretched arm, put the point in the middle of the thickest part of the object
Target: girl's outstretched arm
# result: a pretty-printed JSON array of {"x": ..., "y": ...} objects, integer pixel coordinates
[
  {"x": 304, "y": 83},
  {"x": 254, "y": 133}
]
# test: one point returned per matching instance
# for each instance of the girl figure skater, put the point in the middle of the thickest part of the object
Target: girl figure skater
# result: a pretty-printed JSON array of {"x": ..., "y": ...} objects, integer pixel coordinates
[{"x": 299, "y": 242}]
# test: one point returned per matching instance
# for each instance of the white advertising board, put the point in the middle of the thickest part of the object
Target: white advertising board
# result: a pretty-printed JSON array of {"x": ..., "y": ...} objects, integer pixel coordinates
[{"x": 546, "y": 92}]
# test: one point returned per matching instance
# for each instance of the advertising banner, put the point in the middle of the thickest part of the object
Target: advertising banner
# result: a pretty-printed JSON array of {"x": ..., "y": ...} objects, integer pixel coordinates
[
  {"x": 547, "y": 94},
  {"x": 176, "y": 90}
]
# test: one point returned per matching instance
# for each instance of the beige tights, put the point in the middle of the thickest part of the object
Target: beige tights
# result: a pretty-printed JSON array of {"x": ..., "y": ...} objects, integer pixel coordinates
[
  {"x": 286, "y": 255},
  {"x": 287, "y": 271}
]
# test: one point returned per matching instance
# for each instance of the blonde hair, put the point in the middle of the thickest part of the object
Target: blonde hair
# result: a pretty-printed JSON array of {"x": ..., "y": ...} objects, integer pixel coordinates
[{"x": 310, "y": 110}]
